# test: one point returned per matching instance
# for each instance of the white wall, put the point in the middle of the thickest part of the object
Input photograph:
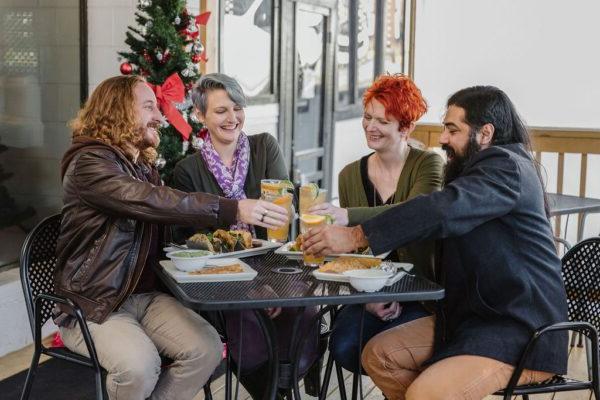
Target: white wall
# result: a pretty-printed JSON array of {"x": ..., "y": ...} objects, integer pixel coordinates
[
  {"x": 349, "y": 144},
  {"x": 542, "y": 53}
]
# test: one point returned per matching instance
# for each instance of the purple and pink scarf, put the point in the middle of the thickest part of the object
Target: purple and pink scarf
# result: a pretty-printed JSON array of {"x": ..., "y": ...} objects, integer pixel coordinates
[{"x": 231, "y": 180}]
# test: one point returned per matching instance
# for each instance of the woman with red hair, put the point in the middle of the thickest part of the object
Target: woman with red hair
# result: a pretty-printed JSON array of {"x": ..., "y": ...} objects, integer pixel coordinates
[{"x": 393, "y": 173}]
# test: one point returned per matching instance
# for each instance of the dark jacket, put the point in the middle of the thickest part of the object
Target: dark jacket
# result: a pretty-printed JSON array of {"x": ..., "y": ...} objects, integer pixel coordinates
[
  {"x": 266, "y": 162},
  {"x": 501, "y": 272},
  {"x": 110, "y": 217}
]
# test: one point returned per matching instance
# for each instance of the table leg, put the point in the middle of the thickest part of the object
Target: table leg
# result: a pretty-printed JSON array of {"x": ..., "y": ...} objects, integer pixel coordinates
[
  {"x": 266, "y": 326},
  {"x": 360, "y": 345}
]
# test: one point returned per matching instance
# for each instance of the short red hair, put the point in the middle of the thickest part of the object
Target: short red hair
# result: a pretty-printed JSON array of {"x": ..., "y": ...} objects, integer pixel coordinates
[{"x": 400, "y": 97}]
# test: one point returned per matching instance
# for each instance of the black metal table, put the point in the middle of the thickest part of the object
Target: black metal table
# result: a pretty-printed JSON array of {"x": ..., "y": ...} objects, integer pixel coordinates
[
  {"x": 292, "y": 290},
  {"x": 563, "y": 204}
]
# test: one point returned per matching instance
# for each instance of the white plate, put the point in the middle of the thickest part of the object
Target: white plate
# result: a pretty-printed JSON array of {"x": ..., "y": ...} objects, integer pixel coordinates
[
  {"x": 180, "y": 276},
  {"x": 265, "y": 247},
  {"x": 297, "y": 255},
  {"x": 402, "y": 269}
]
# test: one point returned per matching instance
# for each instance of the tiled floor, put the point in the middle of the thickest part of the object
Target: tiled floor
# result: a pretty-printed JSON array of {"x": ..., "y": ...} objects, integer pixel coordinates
[{"x": 18, "y": 361}]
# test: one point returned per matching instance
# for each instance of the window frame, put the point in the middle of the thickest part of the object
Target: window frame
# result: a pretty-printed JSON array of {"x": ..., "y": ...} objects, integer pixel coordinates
[
  {"x": 354, "y": 107},
  {"x": 273, "y": 95}
]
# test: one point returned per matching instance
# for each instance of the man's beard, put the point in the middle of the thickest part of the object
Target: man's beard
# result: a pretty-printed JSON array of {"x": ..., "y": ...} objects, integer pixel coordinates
[{"x": 455, "y": 166}]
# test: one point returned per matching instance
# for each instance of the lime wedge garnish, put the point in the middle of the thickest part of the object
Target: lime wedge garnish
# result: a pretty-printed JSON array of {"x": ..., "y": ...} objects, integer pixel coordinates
[{"x": 287, "y": 184}]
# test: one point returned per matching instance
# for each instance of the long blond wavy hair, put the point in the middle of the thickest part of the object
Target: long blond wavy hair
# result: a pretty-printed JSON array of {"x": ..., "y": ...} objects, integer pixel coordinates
[{"x": 109, "y": 116}]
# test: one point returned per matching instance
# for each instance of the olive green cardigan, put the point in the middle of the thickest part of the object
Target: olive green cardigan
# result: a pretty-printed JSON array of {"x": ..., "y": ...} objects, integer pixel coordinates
[
  {"x": 421, "y": 174},
  {"x": 266, "y": 162}
]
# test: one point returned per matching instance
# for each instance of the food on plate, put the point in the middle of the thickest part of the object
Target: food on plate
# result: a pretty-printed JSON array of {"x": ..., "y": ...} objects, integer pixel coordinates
[
  {"x": 297, "y": 246},
  {"x": 221, "y": 241},
  {"x": 244, "y": 237},
  {"x": 200, "y": 241},
  {"x": 221, "y": 269},
  {"x": 189, "y": 253},
  {"x": 342, "y": 264}
]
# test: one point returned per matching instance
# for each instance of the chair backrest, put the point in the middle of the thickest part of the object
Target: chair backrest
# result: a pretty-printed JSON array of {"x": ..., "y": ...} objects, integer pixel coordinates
[
  {"x": 38, "y": 261},
  {"x": 581, "y": 275}
]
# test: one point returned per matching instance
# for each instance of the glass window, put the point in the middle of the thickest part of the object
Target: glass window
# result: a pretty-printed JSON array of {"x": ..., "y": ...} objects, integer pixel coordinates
[
  {"x": 39, "y": 93},
  {"x": 343, "y": 53},
  {"x": 365, "y": 44},
  {"x": 394, "y": 36},
  {"x": 247, "y": 44}
]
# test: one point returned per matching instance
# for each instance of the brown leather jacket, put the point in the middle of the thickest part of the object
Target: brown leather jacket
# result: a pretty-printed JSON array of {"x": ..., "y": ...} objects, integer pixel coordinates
[{"x": 112, "y": 209}]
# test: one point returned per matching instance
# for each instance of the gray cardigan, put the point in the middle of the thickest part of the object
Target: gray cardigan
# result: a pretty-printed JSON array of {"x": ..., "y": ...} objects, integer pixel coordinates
[{"x": 499, "y": 264}]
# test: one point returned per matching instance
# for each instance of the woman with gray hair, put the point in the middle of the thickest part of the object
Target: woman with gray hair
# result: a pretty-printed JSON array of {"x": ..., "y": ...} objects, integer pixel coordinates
[{"x": 232, "y": 164}]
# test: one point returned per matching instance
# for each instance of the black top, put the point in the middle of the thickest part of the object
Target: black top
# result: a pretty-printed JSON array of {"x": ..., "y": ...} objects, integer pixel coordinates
[{"x": 373, "y": 197}]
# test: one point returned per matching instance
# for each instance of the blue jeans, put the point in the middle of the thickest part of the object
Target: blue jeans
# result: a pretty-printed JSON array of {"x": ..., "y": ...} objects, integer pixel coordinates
[{"x": 344, "y": 339}]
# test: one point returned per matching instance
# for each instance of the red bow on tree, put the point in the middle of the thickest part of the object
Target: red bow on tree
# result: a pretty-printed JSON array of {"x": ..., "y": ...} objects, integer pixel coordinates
[{"x": 172, "y": 90}]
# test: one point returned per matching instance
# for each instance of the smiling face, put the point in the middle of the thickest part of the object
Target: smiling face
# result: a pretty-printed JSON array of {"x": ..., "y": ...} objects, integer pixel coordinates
[
  {"x": 148, "y": 115},
  {"x": 456, "y": 134},
  {"x": 224, "y": 119},
  {"x": 381, "y": 131},
  {"x": 460, "y": 142}
]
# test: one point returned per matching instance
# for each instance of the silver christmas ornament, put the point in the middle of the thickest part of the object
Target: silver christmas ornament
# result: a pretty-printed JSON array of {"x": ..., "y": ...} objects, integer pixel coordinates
[
  {"x": 149, "y": 25},
  {"x": 160, "y": 162},
  {"x": 159, "y": 56},
  {"x": 177, "y": 20},
  {"x": 197, "y": 143},
  {"x": 145, "y": 3},
  {"x": 185, "y": 145},
  {"x": 198, "y": 47}
]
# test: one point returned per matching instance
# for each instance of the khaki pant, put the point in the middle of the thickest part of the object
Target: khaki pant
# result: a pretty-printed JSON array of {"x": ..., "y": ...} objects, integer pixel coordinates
[
  {"x": 394, "y": 358},
  {"x": 129, "y": 342}
]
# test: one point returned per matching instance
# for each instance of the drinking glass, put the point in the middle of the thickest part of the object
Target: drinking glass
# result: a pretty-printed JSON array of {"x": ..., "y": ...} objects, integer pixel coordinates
[
  {"x": 276, "y": 192},
  {"x": 311, "y": 195},
  {"x": 308, "y": 221}
]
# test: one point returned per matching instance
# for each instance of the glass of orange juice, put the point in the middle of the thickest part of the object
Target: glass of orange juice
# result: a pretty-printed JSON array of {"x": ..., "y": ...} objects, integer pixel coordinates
[
  {"x": 277, "y": 192},
  {"x": 311, "y": 195},
  {"x": 308, "y": 221},
  {"x": 280, "y": 235}
]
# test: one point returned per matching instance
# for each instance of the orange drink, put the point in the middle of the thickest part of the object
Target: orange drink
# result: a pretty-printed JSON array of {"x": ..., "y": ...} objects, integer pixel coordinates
[
  {"x": 284, "y": 200},
  {"x": 308, "y": 221},
  {"x": 311, "y": 195},
  {"x": 275, "y": 187}
]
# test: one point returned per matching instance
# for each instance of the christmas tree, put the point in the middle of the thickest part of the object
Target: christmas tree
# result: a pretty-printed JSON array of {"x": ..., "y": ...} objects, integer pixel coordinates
[
  {"x": 165, "y": 48},
  {"x": 10, "y": 213}
]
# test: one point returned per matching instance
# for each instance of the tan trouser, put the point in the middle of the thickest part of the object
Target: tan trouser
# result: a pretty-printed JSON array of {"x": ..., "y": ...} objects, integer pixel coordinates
[
  {"x": 394, "y": 358},
  {"x": 128, "y": 344}
]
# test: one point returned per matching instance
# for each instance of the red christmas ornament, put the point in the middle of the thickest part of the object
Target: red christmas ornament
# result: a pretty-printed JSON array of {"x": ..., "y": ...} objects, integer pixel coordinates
[
  {"x": 126, "y": 68},
  {"x": 196, "y": 58}
]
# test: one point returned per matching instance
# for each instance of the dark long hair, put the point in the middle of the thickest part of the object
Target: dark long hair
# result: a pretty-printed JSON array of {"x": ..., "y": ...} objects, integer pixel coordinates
[{"x": 490, "y": 105}]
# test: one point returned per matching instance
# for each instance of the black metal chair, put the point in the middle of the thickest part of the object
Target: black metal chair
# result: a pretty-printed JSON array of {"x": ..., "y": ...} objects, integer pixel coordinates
[
  {"x": 581, "y": 275},
  {"x": 37, "y": 264},
  {"x": 38, "y": 261}
]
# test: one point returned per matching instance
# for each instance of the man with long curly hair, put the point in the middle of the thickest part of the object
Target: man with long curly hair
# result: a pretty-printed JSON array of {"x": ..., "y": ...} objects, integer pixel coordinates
[{"x": 111, "y": 231}]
